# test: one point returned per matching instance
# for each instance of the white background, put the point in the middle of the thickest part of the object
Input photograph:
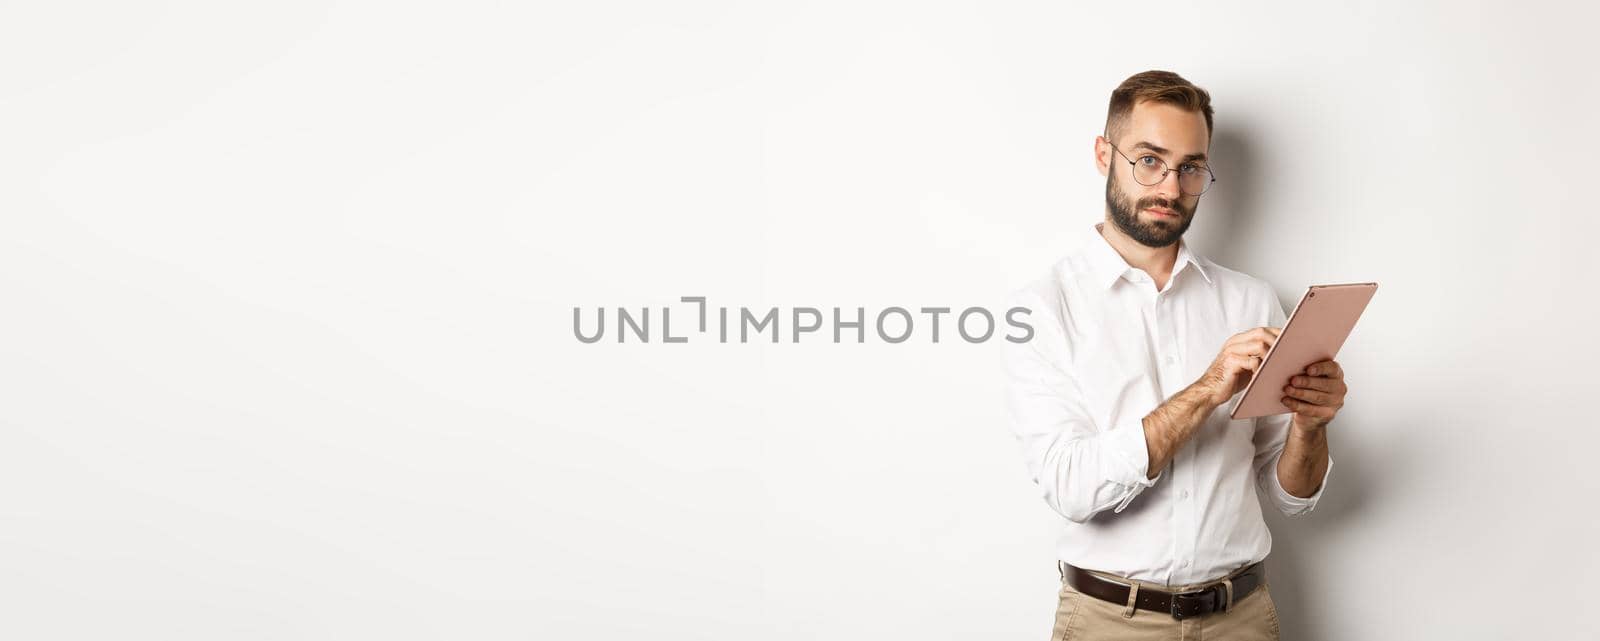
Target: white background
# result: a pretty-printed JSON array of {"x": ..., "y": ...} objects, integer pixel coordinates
[{"x": 287, "y": 300}]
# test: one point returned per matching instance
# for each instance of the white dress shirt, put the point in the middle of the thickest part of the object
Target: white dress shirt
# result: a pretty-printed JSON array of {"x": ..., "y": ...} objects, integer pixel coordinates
[{"x": 1107, "y": 349}]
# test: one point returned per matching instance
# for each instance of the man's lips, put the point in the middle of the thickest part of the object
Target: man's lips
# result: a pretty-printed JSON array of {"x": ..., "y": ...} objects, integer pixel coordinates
[{"x": 1162, "y": 211}]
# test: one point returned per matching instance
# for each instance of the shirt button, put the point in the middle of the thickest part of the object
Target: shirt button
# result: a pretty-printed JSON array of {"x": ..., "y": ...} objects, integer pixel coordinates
[
  {"x": 1171, "y": 359},
  {"x": 1184, "y": 494},
  {"x": 1186, "y": 563}
]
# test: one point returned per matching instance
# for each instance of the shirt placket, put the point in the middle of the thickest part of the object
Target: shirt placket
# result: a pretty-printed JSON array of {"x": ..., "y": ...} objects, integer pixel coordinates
[{"x": 1181, "y": 479}]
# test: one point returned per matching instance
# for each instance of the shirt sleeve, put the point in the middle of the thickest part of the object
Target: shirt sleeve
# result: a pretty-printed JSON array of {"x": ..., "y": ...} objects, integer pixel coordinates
[
  {"x": 1080, "y": 467},
  {"x": 1271, "y": 434}
]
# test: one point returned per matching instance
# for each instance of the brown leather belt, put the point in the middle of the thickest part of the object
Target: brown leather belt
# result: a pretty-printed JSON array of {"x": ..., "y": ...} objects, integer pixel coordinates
[{"x": 1181, "y": 605}]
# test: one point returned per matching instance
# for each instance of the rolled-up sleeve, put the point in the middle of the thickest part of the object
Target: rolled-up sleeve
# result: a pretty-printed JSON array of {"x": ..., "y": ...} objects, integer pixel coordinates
[
  {"x": 1272, "y": 432},
  {"x": 1080, "y": 469}
]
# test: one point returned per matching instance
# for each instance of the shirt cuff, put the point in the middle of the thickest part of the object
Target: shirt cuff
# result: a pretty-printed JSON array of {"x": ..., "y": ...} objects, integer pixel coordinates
[
  {"x": 1293, "y": 505},
  {"x": 1126, "y": 446}
]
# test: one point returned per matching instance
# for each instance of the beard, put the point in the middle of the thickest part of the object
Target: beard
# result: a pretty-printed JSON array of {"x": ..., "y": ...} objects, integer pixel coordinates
[{"x": 1156, "y": 232}]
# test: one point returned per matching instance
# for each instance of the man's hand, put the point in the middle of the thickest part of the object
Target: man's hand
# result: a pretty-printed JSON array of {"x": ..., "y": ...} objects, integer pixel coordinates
[
  {"x": 1240, "y": 357},
  {"x": 1170, "y": 425},
  {"x": 1316, "y": 394}
]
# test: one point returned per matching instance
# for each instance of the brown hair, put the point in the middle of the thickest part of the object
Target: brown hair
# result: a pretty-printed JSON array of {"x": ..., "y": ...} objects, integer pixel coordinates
[{"x": 1155, "y": 86}]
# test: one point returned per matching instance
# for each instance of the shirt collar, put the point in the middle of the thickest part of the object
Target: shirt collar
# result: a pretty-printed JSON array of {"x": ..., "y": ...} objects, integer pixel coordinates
[{"x": 1108, "y": 265}]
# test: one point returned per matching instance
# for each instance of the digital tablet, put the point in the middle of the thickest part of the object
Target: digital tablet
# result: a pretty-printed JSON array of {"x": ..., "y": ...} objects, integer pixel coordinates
[{"x": 1314, "y": 333}]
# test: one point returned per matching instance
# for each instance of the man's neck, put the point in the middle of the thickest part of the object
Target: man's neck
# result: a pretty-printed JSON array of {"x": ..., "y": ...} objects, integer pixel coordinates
[{"x": 1157, "y": 262}]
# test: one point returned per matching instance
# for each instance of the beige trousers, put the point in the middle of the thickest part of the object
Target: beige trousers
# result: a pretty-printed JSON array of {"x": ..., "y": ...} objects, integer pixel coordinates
[{"x": 1080, "y": 616}]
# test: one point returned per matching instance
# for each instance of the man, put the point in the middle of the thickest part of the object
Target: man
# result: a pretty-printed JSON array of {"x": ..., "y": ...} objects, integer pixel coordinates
[{"x": 1121, "y": 400}]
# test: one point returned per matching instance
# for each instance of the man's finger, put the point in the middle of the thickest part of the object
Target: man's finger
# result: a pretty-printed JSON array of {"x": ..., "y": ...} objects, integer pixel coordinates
[
  {"x": 1318, "y": 383},
  {"x": 1307, "y": 409},
  {"x": 1323, "y": 368},
  {"x": 1308, "y": 395}
]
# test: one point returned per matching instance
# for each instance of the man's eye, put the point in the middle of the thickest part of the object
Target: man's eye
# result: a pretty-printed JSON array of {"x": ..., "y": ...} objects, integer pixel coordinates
[
  {"x": 1189, "y": 170},
  {"x": 1149, "y": 161}
]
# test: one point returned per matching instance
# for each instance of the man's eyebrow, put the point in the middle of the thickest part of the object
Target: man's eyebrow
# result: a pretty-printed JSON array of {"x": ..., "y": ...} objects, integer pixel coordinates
[
  {"x": 1162, "y": 150},
  {"x": 1151, "y": 147}
]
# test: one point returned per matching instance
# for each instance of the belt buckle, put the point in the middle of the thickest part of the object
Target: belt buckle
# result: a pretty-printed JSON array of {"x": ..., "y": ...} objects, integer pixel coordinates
[{"x": 1208, "y": 592}]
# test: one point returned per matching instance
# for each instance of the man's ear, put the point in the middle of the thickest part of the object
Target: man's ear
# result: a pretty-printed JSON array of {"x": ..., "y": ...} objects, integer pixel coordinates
[{"x": 1102, "y": 155}]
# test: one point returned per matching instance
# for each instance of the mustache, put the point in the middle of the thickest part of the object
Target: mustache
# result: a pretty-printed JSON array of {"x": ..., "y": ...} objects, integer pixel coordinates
[{"x": 1165, "y": 203}]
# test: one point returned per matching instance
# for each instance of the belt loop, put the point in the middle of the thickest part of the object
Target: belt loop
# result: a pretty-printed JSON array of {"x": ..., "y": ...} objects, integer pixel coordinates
[
  {"x": 1229, "y": 583},
  {"x": 1062, "y": 568},
  {"x": 1133, "y": 597}
]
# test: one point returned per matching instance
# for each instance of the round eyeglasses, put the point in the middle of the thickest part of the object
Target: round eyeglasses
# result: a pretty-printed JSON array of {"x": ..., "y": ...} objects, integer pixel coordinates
[{"x": 1149, "y": 170}]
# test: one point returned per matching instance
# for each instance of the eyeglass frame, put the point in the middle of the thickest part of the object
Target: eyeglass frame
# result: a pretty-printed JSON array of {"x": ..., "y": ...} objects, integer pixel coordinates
[{"x": 1166, "y": 169}]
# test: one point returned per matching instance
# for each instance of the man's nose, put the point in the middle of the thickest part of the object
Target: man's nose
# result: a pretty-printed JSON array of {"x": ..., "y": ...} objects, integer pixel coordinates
[{"x": 1168, "y": 187}]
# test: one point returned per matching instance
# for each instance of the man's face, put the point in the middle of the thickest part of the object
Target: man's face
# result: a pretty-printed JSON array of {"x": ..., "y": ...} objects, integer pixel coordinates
[{"x": 1156, "y": 215}]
